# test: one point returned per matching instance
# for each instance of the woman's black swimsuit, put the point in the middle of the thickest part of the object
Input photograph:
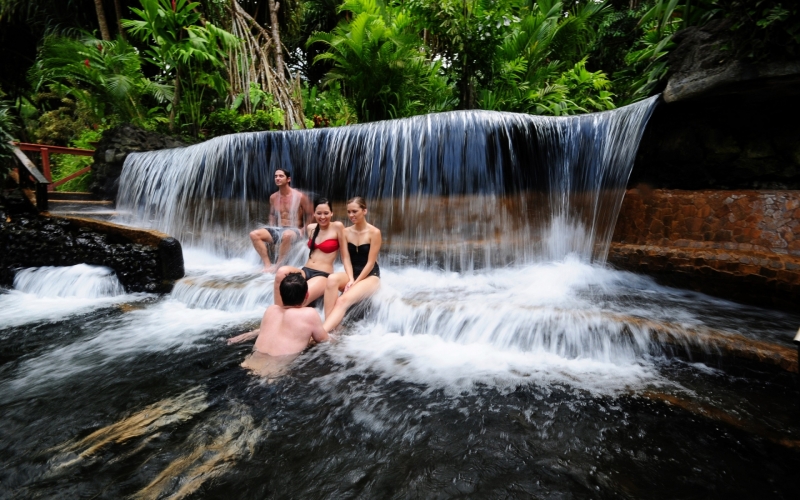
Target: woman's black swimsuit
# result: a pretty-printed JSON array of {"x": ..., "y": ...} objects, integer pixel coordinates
[
  {"x": 313, "y": 273},
  {"x": 359, "y": 255}
]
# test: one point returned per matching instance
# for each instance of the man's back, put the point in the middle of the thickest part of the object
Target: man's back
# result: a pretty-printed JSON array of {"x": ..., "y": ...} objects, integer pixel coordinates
[{"x": 287, "y": 330}]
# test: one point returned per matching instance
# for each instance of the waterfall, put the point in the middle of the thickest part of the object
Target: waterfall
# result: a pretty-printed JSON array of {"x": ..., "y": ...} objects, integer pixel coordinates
[{"x": 461, "y": 189}]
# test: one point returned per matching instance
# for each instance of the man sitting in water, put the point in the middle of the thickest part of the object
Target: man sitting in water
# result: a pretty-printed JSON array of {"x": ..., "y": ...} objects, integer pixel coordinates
[
  {"x": 285, "y": 330},
  {"x": 288, "y": 211}
]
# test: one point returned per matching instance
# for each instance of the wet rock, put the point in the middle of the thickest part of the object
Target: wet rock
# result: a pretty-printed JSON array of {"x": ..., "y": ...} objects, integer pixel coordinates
[
  {"x": 702, "y": 62},
  {"x": 719, "y": 126},
  {"x": 140, "y": 260}
]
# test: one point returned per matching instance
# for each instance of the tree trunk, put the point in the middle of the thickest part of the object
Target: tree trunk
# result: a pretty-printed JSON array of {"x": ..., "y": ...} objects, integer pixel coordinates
[
  {"x": 176, "y": 100},
  {"x": 466, "y": 87},
  {"x": 118, "y": 8},
  {"x": 276, "y": 37},
  {"x": 101, "y": 20}
]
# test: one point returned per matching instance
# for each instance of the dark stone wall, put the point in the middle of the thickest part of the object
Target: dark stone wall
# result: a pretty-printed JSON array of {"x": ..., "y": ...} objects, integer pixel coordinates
[
  {"x": 144, "y": 261},
  {"x": 112, "y": 150},
  {"x": 740, "y": 140},
  {"x": 726, "y": 121}
]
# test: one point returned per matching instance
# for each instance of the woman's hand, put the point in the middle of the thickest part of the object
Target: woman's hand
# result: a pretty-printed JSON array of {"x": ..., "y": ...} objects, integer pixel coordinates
[{"x": 348, "y": 285}]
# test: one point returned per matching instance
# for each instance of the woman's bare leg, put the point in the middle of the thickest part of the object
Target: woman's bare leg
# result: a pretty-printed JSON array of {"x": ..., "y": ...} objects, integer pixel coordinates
[
  {"x": 316, "y": 289},
  {"x": 282, "y": 272},
  {"x": 354, "y": 295},
  {"x": 336, "y": 283}
]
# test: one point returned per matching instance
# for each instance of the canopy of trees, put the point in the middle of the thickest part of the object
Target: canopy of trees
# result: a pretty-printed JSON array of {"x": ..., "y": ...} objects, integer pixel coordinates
[{"x": 197, "y": 69}]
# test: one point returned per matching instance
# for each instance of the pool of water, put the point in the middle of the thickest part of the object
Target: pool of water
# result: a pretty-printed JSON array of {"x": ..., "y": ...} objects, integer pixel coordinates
[{"x": 527, "y": 381}]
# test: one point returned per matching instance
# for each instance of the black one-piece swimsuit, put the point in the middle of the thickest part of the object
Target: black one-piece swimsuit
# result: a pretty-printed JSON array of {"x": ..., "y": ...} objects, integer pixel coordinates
[{"x": 358, "y": 258}]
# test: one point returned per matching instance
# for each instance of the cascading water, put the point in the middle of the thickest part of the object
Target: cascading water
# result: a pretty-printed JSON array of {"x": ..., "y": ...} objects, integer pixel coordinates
[
  {"x": 51, "y": 293},
  {"x": 463, "y": 190},
  {"x": 81, "y": 281},
  {"x": 456, "y": 187},
  {"x": 499, "y": 359}
]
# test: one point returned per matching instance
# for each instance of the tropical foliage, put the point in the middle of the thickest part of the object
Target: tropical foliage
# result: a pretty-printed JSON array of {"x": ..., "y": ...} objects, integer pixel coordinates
[
  {"x": 540, "y": 67},
  {"x": 198, "y": 69},
  {"x": 380, "y": 63},
  {"x": 186, "y": 53},
  {"x": 8, "y": 129},
  {"x": 106, "y": 76},
  {"x": 64, "y": 165}
]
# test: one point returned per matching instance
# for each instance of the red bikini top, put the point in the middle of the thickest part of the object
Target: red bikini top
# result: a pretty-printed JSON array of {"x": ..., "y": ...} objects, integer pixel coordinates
[{"x": 327, "y": 246}]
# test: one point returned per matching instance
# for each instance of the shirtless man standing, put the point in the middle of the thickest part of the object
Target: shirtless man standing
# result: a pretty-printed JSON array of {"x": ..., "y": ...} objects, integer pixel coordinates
[
  {"x": 285, "y": 330},
  {"x": 288, "y": 211}
]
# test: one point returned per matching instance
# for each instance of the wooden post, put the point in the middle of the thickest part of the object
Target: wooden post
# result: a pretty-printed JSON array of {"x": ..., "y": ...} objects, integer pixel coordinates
[
  {"x": 46, "y": 167},
  {"x": 41, "y": 196}
]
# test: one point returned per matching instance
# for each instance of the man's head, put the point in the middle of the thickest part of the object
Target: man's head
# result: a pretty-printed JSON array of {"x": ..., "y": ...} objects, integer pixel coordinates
[
  {"x": 282, "y": 176},
  {"x": 294, "y": 289}
]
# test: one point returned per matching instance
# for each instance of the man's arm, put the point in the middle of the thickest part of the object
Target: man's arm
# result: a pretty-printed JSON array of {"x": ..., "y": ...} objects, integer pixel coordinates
[
  {"x": 306, "y": 209},
  {"x": 273, "y": 204},
  {"x": 318, "y": 333},
  {"x": 244, "y": 336}
]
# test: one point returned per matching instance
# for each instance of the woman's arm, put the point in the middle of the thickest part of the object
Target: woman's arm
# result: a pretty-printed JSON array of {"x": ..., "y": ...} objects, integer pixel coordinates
[
  {"x": 344, "y": 252},
  {"x": 375, "y": 241}
]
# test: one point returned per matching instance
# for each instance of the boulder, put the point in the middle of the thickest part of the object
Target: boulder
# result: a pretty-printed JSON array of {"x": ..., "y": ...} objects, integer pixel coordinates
[{"x": 700, "y": 64}]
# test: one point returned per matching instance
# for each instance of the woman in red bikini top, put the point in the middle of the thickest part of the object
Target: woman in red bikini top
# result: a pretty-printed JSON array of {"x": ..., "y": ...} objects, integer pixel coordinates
[{"x": 325, "y": 239}]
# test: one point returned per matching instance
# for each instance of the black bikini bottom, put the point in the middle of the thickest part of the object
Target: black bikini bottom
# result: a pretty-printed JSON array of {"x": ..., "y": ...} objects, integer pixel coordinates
[
  {"x": 376, "y": 271},
  {"x": 313, "y": 273}
]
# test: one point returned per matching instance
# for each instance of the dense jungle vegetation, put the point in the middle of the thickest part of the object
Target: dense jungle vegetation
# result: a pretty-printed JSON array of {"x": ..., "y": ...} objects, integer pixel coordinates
[{"x": 73, "y": 68}]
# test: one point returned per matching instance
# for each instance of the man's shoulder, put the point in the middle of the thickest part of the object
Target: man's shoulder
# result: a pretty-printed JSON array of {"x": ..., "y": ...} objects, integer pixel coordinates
[
  {"x": 273, "y": 309},
  {"x": 304, "y": 313}
]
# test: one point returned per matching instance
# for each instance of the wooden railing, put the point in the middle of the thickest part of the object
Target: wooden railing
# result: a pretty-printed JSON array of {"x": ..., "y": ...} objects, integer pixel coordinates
[
  {"x": 35, "y": 183},
  {"x": 47, "y": 150}
]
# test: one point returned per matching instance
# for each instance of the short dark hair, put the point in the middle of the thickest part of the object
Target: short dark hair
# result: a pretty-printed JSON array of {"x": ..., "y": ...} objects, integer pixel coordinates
[
  {"x": 293, "y": 289},
  {"x": 285, "y": 172}
]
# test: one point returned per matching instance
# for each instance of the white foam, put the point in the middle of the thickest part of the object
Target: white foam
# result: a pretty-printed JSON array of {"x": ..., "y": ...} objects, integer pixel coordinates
[
  {"x": 51, "y": 294},
  {"x": 549, "y": 323},
  {"x": 166, "y": 327},
  {"x": 456, "y": 367},
  {"x": 79, "y": 281},
  {"x": 535, "y": 324}
]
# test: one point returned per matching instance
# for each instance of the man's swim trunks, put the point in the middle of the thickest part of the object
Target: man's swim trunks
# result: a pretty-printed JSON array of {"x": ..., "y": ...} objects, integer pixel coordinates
[{"x": 277, "y": 232}]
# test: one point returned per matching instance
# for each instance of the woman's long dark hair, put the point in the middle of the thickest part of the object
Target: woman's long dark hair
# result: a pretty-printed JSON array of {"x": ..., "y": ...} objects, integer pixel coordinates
[{"x": 318, "y": 202}]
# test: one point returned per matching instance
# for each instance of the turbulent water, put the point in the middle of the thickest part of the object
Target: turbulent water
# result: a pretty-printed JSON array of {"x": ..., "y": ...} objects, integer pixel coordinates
[
  {"x": 529, "y": 381},
  {"x": 499, "y": 358}
]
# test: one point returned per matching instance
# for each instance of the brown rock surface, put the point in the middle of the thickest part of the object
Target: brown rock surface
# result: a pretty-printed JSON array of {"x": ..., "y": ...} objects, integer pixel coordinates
[{"x": 737, "y": 244}]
